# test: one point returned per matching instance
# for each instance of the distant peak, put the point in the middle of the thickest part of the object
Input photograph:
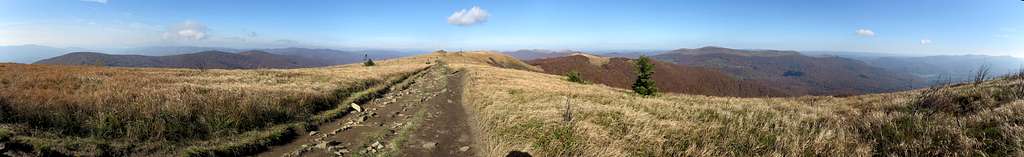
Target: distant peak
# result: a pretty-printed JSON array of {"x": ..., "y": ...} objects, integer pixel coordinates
[
  {"x": 212, "y": 52},
  {"x": 713, "y": 48},
  {"x": 86, "y": 53},
  {"x": 254, "y": 52}
]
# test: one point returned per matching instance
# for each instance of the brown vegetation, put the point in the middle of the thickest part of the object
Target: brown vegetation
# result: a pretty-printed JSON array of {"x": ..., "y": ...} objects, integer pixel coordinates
[
  {"x": 793, "y": 73},
  {"x": 620, "y": 73}
]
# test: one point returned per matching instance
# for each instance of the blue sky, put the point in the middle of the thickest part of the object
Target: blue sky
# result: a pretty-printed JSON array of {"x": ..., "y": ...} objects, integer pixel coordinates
[{"x": 994, "y": 27}]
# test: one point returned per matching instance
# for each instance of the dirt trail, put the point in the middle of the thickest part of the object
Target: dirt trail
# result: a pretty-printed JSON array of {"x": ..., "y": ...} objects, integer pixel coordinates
[{"x": 424, "y": 118}]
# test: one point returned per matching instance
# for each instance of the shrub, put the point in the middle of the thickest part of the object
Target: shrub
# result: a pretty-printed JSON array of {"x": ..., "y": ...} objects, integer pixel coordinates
[
  {"x": 574, "y": 76},
  {"x": 981, "y": 75},
  {"x": 369, "y": 62},
  {"x": 966, "y": 101},
  {"x": 644, "y": 84}
]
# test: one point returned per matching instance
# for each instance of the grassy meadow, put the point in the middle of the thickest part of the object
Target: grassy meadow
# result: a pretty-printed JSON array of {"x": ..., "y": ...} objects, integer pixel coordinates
[
  {"x": 94, "y": 110},
  {"x": 84, "y": 110},
  {"x": 526, "y": 111}
]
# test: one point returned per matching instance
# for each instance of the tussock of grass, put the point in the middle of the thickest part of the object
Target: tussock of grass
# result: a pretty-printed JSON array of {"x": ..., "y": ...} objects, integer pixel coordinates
[
  {"x": 5, "y": 135},
  {"x": 67, "y": 146},
  {"x": 249, "y": 142}
]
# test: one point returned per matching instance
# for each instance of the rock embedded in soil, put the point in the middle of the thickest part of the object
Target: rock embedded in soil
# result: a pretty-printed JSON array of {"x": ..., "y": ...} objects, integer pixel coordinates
[
  {"x": 327, "y": 144},
  {"x": 464, "y": 148},
  {"x": 356, "y": 107},
  {"x": 377, "y": 145},
  {"x": 429, "y": 145}
]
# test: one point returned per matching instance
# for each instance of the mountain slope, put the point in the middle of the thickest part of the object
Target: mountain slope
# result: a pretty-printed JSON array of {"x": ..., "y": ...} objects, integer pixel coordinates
[
  {"x": 620, "y": 73},
  {"x": 204, "y": 60},
  {"x": 170, "y": 50},
  {"x": 532, "y": 54},
  {"x": 795, "y": 73}
]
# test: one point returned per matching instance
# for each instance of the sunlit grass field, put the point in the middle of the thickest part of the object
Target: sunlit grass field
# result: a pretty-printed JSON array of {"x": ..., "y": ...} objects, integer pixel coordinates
[
  {"x": 159, "y": 109},
  {"x": 526, "y": 111},
  {"x": 84, "y": 110}
]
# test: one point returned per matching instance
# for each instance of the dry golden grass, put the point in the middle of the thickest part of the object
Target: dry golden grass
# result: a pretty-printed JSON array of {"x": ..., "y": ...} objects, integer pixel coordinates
[
  {"x": 523, "y": 111},
  {"x": 176, "y": 106},
  {"x": 512, "y": 110}
]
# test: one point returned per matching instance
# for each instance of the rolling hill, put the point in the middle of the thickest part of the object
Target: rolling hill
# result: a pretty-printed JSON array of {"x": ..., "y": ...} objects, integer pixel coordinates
[
  {"x": 200, "y": 60},
  {"x": 620, "y": 73},
  {"x": 795, "y": 73},
  {"x": 168, "y": 50},
  {"x": 531, "y": 54}
]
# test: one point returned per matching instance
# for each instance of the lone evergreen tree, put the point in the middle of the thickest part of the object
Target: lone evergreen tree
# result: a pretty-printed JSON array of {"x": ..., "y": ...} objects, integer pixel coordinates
[
  {"x": 644, "y": 84},
  {"x": 574, "y": 76}
]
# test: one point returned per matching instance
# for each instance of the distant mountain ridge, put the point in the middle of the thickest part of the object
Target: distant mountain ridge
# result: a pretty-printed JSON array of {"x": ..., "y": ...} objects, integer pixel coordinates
[
  {"x": 795, "y": 73},
  {"x": 532, "y": 54},
  {"x": 738, "y": 52},
  {"x": 170, "y": 50},
  {"x": 620, "y": 72},
  {"x": 201, "y": 60},
  {"x": 332, "y": 56},
  {"x": 212, "y": 57}
]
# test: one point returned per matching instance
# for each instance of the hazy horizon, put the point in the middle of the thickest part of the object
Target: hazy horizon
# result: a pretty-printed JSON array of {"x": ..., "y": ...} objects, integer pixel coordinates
[{"x": 914, "y": 28}]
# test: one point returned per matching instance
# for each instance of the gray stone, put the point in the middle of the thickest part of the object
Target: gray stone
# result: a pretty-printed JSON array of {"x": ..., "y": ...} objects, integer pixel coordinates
[
  {"x": 464, "y": 148},
  {"x": 377, "y": 145},
  {"x": 322, "y": 145},
  {"x": 327, "y": 144},
  {"x": 311, "y": 133},
  {"x": 356, "y": 107},
  {"x": 429, "y": 145}
]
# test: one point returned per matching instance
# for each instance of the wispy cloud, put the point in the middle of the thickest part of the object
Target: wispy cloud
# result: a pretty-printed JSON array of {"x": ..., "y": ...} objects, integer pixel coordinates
[
  {"x": 468, "y": 17},
  {"x": 188, "y": 30},
  {"x": 926, "y": 41},
  {"x": 1008, "y": 29},
  {"x": 865, "y": 32},
  {"x": 97, "y": 1}
]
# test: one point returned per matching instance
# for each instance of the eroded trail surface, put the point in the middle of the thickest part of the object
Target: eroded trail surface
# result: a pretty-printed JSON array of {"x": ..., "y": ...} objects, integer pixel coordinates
[{"x": 424, "y": 118}]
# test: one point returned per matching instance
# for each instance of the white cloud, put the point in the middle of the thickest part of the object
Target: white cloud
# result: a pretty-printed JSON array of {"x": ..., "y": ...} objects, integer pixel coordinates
[
  {"x": 97, "y": 1},
  {"x": 926, "y": 41},
  {"x": 865, "y": 33},
  {"x": 188, "y": 30},
  {"x": 469, "y": 17}
]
